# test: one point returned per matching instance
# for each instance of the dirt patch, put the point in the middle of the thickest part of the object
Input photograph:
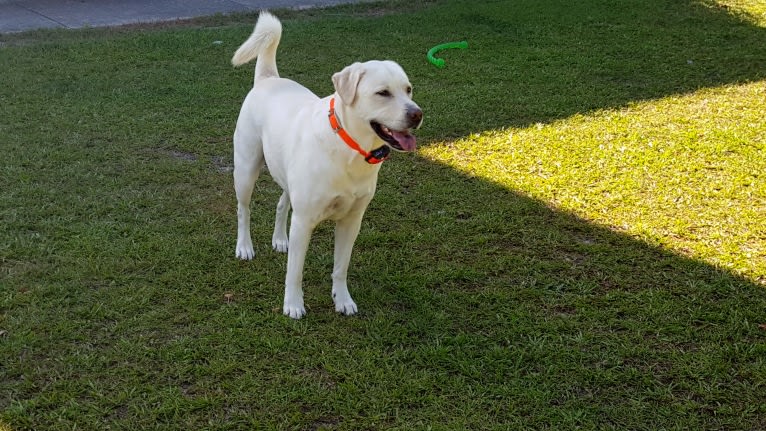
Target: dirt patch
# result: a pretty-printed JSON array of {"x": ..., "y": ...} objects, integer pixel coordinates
[{"x": 222, "y": 164}]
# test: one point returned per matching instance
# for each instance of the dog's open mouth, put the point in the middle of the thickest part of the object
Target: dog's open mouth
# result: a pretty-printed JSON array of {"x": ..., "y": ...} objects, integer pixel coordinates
[{"x": 399, "y": 140}]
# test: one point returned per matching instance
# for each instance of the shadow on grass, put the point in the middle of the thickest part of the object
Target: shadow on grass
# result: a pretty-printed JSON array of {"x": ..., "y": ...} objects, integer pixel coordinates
[{"x": 550, "y": 315}]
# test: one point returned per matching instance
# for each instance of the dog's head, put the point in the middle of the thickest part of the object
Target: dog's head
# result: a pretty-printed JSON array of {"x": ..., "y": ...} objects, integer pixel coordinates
[{"x": 381, "y": 94}]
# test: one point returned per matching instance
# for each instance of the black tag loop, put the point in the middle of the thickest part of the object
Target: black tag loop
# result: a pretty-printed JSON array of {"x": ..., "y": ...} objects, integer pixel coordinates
[{"x": 378, "y": 155}]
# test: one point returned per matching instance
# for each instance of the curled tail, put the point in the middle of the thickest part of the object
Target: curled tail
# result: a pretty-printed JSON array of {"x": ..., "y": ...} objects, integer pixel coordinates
[{"x": 262, "y": 44}]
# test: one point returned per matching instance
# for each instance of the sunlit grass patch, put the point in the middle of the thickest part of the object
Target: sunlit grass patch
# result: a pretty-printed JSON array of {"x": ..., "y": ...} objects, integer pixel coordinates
[
  {"x": 753, "y": 10},
  {"x": 685, "y": 172}
]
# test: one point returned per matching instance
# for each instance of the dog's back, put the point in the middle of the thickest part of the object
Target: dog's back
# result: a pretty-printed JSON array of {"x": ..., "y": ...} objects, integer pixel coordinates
[{"x": 262, "y": 43}]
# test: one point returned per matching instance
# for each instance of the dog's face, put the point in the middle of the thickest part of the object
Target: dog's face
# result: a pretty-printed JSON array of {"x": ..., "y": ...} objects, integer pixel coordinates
[{"x": 381, "y": 94}]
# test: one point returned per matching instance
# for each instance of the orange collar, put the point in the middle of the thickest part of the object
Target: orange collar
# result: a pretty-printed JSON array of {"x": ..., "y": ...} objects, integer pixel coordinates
[{"x": 375, "y": 156}]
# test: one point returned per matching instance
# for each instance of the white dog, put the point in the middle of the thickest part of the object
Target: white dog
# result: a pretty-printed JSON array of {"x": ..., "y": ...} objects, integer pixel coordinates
[{"x": 324, "y": 153}]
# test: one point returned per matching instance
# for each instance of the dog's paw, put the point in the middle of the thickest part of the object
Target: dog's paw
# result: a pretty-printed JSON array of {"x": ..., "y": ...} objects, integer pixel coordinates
[
  {"x": 346, "y": 308},
  {"x": 294, "y": 311},
  {"x": 344, "y": 304},
  {"x": 280, "y": 245},
  {"x": 294, "y": 306},
  {"x": 245, "y": 250}
]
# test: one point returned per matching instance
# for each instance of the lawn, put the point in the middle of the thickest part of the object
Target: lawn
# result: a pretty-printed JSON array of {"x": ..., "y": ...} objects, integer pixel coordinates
[{"x": 579, "y": 243}]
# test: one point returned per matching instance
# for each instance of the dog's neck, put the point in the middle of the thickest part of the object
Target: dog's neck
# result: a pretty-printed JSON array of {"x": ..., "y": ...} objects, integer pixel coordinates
[{"x": 371, "y": 156}]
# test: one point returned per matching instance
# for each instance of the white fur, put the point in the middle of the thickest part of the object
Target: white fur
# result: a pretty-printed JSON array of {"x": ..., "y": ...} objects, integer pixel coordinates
[{"x": 285, "y": 126}]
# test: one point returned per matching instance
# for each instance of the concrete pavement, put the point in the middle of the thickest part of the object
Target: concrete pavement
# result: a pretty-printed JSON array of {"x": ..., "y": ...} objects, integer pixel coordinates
[{"x": 21, "y": 15}]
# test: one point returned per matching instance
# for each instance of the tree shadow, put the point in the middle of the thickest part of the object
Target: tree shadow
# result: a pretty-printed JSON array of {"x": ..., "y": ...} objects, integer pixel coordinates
[{"x": 550, "y": 314}]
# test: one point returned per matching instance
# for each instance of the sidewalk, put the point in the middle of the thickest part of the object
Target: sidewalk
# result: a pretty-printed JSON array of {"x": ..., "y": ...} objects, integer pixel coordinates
[{"x": 21, "y": 15}]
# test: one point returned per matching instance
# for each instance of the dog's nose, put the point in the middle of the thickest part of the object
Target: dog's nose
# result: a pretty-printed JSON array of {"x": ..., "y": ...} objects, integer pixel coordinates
[{"x": 414, "y": 116}]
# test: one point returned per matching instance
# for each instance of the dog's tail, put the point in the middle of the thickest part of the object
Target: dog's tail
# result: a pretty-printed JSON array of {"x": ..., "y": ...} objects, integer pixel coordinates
[{"x": 262, "y": 44}]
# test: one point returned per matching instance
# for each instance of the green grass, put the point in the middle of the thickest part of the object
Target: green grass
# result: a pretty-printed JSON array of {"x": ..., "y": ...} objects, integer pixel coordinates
[
  {"x": 579, "y": 243},
  {"x": 683, "y": 172}
]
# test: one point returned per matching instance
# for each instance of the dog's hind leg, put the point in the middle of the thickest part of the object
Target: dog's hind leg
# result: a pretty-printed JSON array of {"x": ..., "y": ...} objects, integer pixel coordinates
[
  {"x": 279, "y": 240},
  {"x": 248, "y": 162}
]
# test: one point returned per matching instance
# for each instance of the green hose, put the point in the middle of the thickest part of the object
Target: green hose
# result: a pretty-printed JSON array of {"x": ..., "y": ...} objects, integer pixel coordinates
[{"x": 438, "y": 62}]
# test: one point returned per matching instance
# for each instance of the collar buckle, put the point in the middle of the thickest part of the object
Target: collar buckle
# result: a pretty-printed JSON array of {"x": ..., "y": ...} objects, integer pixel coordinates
[{"x": 334, "y": 123}]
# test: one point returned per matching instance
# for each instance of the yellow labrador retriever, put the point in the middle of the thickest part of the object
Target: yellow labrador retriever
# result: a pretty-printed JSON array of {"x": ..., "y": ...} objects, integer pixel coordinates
[{"x": 324, "y": 153}]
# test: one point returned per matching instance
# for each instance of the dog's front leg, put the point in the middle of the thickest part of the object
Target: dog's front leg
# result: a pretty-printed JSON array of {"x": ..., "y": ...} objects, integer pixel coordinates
[
  {"x": 300, "y": 235},
  {"x": 346, "y": 231}
]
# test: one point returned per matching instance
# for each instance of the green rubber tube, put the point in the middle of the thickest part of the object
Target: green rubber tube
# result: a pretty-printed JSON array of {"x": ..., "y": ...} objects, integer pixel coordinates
[{"x": 438, "y": 62}]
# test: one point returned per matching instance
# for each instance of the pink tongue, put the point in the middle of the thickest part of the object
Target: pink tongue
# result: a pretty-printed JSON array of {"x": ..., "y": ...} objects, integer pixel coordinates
[{"x": 406, "y": 140}]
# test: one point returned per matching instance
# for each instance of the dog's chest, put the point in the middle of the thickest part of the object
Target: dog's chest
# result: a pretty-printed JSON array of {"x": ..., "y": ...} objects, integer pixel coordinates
[
  {"x": 339, "y": 206},
  {"x": 337, "y": 193}
]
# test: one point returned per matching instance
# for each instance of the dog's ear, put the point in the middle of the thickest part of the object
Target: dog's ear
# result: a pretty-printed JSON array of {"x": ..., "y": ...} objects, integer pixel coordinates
[{"x": 346, "y": 82}]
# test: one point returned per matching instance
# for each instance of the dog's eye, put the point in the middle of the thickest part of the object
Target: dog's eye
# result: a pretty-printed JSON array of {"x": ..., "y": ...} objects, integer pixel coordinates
[
  {"x": 409, "y": 90},
  {"x": 384, "y": 93}
]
